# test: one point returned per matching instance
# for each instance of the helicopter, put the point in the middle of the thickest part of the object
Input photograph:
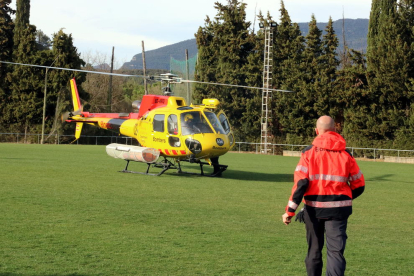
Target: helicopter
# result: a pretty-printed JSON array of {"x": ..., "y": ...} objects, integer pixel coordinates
[{"x": 164, "y": 126}]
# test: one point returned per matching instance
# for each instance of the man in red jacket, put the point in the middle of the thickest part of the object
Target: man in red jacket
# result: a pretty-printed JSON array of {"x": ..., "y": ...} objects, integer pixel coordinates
[{"x": 328, "y": 179}]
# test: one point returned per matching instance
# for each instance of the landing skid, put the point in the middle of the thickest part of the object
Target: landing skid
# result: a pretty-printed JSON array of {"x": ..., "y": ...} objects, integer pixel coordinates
[
  {"x": 218, "y": 169},
  {"x": 167, "y": 164}
]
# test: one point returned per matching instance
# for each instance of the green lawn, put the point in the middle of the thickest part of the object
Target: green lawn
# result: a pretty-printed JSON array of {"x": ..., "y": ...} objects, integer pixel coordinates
[{"x": 66, "y": 210}]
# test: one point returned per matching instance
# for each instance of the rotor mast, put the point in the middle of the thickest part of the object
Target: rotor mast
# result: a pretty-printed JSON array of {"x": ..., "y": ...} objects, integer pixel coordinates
[{"x": 169, "y": 78}]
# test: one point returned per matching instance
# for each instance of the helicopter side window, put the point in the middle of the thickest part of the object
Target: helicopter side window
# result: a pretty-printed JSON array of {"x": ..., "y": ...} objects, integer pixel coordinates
[
  {"x": 158, "y": 124},
  {"x": 194, "y": 122},
  {"x": 172, "y": 124},
  {"x": 214, "y": 121}
]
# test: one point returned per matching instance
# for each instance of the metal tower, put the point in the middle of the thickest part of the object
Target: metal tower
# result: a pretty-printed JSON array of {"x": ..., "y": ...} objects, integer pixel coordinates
[{"x": 267, "y": 82}]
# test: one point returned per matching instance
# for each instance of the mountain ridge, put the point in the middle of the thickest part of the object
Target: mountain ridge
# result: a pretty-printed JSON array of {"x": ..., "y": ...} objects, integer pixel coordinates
[{"x": 355, "y": 32}]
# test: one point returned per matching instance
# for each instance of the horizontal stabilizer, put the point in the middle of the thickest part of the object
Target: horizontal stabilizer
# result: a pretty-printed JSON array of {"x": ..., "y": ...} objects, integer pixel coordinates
[{"x": 78, "y": 131}]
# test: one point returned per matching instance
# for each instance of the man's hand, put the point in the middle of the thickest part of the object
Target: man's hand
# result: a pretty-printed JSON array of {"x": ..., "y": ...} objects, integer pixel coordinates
[{"x": 286, "y": 219}]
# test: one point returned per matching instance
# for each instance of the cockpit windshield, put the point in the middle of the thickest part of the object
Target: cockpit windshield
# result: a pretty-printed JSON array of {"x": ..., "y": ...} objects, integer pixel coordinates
[
  {"x": 194, "y": 122},
  {"x": 214, "y": 121}
]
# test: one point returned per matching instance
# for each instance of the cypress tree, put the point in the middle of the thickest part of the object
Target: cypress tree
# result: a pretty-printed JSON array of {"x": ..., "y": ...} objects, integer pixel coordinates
[
  {"x": 300, "y": 112},
  {"x": 288, "y": 74},
  {"x": 288, "y": 50},
  {"x": 21, "y": 31},
  {"x": 311, "y": 67},
  {"x": 63, "y": 54},
  {"x": 327, "y": 98},
  {"x": 6, "y": 37},
  {"x": 6, "y": 50},
  {"x": 313, "y": 52},
  {"x": 206, "y": 67},
  {"x": 352, "y": 83},
  {"x": 373, "y": 25},
  {"x": 405, "y": 134},
  {"x": 25, "y": 107}
]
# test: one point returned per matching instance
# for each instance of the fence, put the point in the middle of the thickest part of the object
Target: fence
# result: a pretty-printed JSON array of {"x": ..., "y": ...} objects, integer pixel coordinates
[
  {"x": 375, "y": 154},
  {"x": 65, "y": 139}
]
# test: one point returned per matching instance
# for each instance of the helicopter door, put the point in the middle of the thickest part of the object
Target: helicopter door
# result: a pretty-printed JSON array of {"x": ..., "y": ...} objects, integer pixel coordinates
[
  {"x": 172, "y": 127},
  {"x": 226, "y": 126}
]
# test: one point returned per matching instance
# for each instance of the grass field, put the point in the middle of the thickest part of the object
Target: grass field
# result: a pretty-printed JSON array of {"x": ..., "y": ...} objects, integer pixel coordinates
[{"x": 66, "y": 210}]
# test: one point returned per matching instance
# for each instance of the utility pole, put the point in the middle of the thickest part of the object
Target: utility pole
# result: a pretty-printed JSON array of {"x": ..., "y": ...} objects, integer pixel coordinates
[
  {"x": 187, "y": 76},
  {"x": 144, "y": 67},
  {"x": 109, "y": 100},
  {"x": 42, "y": 140}
]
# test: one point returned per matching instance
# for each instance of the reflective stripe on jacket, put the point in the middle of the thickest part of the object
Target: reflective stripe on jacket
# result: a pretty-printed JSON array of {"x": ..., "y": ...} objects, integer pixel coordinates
[{"x": 327, "y": 177}]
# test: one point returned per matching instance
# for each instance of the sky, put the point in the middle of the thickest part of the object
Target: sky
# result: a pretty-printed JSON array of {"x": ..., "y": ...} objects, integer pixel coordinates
[{"x": 98, "y": 25}]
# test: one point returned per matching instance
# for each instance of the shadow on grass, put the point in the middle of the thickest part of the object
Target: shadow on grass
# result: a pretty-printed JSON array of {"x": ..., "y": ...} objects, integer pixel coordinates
[
  {"x": 380, "y": 178},
  {"x": 254, "y": 176},
  {"x": 242, "y": 175}
]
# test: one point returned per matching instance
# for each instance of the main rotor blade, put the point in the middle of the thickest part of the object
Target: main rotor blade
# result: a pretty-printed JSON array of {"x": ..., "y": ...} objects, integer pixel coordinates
[
  {"x": 242, "y": 86},
  {"x": 158, "y": 78},
  {"x": 76, "y": 70}
]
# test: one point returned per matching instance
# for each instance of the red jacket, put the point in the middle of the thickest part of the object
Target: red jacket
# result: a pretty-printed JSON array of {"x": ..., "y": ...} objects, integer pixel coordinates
[{"x": 327, "y": 177}]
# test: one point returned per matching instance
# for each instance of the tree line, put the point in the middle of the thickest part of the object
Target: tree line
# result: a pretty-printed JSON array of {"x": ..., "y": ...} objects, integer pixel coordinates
[{"x": 370, "y": 95}]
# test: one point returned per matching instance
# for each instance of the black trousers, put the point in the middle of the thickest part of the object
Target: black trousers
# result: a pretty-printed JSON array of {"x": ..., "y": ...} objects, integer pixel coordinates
[{"x": 335, "y": 231}]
